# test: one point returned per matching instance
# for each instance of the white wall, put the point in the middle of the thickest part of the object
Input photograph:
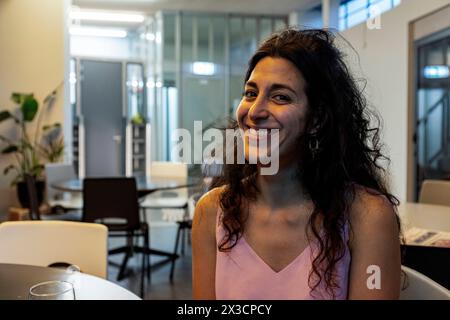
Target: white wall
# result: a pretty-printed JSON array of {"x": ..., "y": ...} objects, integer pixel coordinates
[
  {"x": 384, "y": 62},
  {"x": 32, "y": 46}
]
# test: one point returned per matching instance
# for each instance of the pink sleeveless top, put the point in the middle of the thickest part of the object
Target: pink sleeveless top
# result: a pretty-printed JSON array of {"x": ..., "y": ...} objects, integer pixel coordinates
[{"x": 242, "y": 275}]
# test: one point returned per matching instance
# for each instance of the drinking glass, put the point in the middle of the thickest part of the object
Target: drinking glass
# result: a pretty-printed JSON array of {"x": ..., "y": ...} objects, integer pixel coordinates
[{"x": 52, "y": 290}]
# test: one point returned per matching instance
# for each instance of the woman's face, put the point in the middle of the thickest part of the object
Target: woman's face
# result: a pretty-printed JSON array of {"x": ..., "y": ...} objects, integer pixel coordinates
[{"x": 274, "y": 98}]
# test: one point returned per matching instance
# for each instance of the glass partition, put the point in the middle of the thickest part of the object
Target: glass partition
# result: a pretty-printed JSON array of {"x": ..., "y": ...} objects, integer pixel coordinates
[{"x": 195, "y": 69}]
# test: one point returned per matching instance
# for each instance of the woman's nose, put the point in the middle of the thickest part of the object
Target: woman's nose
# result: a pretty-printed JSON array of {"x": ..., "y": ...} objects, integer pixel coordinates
[{"x": 258, "y": 110}]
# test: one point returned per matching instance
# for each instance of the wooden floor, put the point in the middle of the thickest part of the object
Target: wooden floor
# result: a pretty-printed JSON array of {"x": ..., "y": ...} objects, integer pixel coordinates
[{"x": 162, "y": 236}]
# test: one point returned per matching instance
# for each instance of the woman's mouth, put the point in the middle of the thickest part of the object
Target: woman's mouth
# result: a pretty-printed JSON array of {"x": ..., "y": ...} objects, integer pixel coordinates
[{"x": 260, "y": 132}]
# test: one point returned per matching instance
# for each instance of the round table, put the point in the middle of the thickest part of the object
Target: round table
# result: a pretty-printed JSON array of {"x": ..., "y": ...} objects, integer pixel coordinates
[
  {"x": 145, "y": 185},
  {"x": 16, "y": 280}
]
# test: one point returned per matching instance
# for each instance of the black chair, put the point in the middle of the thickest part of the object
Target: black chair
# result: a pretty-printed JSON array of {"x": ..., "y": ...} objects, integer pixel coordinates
[
  {"x": 114, "y": 203},
  {"x": 33, "y": 208},
  {"x": 184, "y": 227}
]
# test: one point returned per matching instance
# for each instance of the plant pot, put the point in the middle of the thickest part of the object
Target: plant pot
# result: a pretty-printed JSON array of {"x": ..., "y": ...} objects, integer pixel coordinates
[{"x": 22, "y": 193}]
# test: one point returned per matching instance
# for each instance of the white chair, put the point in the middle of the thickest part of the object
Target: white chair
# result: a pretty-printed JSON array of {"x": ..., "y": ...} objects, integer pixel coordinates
[
  {"x": 43, "y": 243},
  {"x": 435, "y": 192},
  {"x": 420, "y": 287},
  {"x": 57, "y": 172}
]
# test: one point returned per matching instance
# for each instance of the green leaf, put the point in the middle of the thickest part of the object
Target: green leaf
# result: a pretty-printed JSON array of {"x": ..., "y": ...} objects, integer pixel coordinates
[
  {"x": 10, "y": 149},
  {"x": 16, "y": 97},
  {"x": 29, "y": 109},
  {"x": 50, "y": 97},
  {"x": 37, "y": 170},
  {"x": 52, "y": 126},
  {"x": 19, "y": 98},
  {"x": 4, "y": 115},
  {"x": 16, "y": 180},
  {"x": 9, "y": 168}
]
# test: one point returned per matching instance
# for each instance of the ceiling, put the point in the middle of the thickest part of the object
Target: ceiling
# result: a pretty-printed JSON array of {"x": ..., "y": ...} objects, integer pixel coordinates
[{"x": 276, "y": 7}]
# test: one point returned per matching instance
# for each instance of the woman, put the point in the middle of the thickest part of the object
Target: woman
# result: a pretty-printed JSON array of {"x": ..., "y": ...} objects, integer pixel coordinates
[{"x": 322, "y": 227}]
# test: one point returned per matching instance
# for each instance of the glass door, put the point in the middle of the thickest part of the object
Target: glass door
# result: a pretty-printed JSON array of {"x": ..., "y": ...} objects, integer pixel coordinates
[{"x": 432, "y": 136}]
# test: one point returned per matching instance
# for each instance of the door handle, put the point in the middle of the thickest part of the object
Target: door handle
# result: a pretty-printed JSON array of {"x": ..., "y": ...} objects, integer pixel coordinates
[{"x": 117, "y": 139}]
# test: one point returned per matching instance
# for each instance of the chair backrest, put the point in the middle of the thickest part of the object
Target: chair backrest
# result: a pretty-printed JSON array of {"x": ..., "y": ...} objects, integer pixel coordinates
[
  {"x": 57, "y": 172},
  {"x": 420, "y": 287},
  {"x": 168, "y": 169},
  {"x": 192, "y": 202},
  {"x": 32, "y": 197},
  {"x": 42, "y": 243},
  {"x": 435, "y": 192},
  {"x": 110, "y": 198}
]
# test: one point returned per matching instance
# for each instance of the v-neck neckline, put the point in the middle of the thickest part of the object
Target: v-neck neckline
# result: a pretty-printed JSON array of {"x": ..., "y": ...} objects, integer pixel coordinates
[{"x": 263, "y": 262}]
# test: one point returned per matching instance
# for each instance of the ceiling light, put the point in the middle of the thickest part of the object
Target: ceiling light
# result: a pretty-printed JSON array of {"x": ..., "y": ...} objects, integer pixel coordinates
[
  {"x": 150, "y": 37},
  {"x": 436, "y": 72},
  {"x": 203, "y": 68},
  {"x": 98, "y": 32},
  {"x": 106, "y": 16}
]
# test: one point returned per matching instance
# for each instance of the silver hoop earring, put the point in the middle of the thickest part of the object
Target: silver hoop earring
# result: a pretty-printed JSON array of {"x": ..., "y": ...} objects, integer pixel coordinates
[{"x": 314, "y": 146}]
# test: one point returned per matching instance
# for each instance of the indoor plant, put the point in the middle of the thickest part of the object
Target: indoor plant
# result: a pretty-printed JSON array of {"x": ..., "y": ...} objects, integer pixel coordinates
[{"x": 34, "y": 145}]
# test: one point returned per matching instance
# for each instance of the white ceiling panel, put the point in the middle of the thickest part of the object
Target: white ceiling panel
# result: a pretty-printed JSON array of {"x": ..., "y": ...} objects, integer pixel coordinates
[{"x": 228, "y": 6}]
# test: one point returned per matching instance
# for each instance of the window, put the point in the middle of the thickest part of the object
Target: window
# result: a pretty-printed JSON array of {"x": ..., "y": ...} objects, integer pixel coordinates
[{"x": 353, "y": 12}]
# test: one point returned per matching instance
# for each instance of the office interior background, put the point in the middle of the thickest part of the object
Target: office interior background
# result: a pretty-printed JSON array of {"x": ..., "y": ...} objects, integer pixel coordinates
[{"x": 129, "y": 72}]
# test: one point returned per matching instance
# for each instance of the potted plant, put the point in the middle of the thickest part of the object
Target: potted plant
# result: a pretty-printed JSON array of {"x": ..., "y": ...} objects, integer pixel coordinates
[{"x": 30, "y": 151}]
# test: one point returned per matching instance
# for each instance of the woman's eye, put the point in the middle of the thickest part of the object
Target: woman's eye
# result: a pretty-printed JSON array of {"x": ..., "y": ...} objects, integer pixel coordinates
[
  {"x": 249, "y": 94},
  {"x": 282, "y": 98}
]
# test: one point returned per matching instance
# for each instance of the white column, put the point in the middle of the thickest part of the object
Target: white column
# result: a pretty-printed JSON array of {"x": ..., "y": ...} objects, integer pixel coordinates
[
  {"x": 325, "y": 13},
  {"x": 330, "y": 14},
  {"x": 293, "y": 19}
]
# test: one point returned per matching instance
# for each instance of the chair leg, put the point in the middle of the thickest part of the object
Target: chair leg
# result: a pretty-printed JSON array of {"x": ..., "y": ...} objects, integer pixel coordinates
[
  {"x": 121, "y": 274},
  {"x": 183, "y": 238},
  {"x": 128, "y": 254},
  {"x": 144, "y": 259},
  {"x": 147, "y": 256},
  {"x": 175, "y": 251}
]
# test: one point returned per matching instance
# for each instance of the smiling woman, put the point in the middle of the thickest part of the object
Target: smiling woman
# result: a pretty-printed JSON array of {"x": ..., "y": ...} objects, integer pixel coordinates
[
  {"x": 324, "y": 225},
  {"x": 275, "y": 102}
]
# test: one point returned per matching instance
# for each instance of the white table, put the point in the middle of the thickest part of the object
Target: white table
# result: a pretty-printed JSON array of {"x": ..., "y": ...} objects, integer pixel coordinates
[
  {"x": 16, "y": 280},
  {"x": 425, "y": 216}
]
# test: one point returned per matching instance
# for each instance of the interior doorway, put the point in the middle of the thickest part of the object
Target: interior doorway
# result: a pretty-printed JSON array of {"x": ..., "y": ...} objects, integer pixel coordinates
[
  {"x": 102, "y": 117},
  {"x": 432, "y": 112}
]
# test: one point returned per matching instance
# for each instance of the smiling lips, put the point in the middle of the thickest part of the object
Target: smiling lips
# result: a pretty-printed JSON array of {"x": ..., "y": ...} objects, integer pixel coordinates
[{"x": 259, "y": 133}]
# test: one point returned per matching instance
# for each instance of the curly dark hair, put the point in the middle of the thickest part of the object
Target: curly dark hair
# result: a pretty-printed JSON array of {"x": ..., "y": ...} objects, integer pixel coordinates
[{"x": 349, "y": 154}]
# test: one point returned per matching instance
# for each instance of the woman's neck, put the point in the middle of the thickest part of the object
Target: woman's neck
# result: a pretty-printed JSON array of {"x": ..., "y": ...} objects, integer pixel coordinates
[{"x": 282, "y": 189}]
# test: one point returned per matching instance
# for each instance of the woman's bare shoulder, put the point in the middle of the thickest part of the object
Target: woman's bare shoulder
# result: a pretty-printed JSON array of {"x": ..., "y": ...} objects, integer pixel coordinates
[
  {"x": 372, "y": 212},
  {"x": 210, "y": 200},
  {"x": 207, "y": 207}
]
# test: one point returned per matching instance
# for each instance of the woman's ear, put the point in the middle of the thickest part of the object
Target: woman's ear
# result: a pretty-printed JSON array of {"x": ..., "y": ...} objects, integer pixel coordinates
[{"x": 313, "y": 127}]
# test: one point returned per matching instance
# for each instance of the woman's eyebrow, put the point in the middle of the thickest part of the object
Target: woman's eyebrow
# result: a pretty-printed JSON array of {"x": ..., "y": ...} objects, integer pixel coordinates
[
  {"x": 277, "y": 86},
  {"x": 251, "y": 84},
  {"x": 274, "y": 86}
]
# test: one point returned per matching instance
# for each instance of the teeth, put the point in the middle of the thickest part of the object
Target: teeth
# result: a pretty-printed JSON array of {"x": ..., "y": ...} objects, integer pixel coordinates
[{"x": 258, "y": 133}]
